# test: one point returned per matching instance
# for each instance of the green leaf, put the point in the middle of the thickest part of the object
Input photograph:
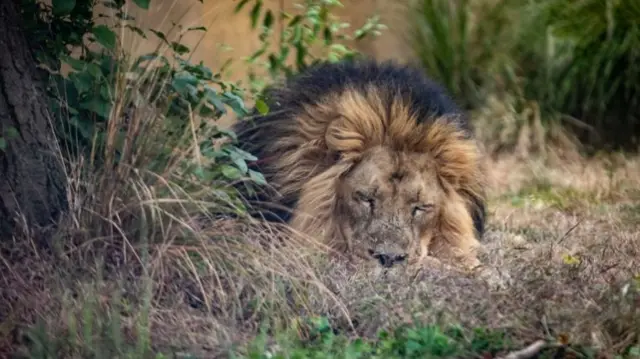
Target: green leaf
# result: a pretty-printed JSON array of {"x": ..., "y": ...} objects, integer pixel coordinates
[
  {"x": 82, "y": 81},
  {"x": 179, "y": 48},
  {"x": 97, "y": 106},
  {"x": 340, "y": 48},
  {"x": 202, "y": 174},
  {"x": 142, "y": 3},
  {"x": 137, "y": 30},
  {"x": 268, "y": 19},
  {"x": 150, "y": 58},
  {"x": 297, "y": 34},
  {"x": 255, "y": 12},
  {"x": 257, "y": 177},
  {"x": 240, "y": 163},
  {"x": 240, "y": 5},
  {"x": 262, "y": 107},
  {"x": 105, "y": 36},
  {"x": 3, "y": 144},
  {"x": 94, "y": 70},
  {"x": 228, "y": 133},
  {"x": 63, "y": 7},
  {"x": 296, "y": 19},
  {"x": 182, "y": 81},
  {"x": 230, "y": 172},
  {"x": 76, "y": 64},
  {"x": 235, "y": 151},
  {"x": 256, "y": 54},
  {"x": 11, "y": 132},
  {"x": 72, "y": 111},
  {"x": 83, "y": 128},
  {"x": 301, "y": 53},
  {"x": 212, "y": 96},
  {"x": 160, "y": 35},
  {"x": 236, "y": 103},
  {"x": 202, "y": 71},
  {"x": 328, "y": 35},
  {"x": 105, "y": 93},
  {"x": 124, "y": 16},
  {"x": 197, "y": 28}
]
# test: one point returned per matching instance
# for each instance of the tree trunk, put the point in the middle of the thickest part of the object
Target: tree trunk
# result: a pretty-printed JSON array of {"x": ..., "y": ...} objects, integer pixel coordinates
[{"x": 32, "y": 181}]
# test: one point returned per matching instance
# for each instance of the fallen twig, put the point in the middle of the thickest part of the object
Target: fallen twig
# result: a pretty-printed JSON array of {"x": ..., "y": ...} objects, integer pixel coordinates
[{"x": 527, "y": 352}]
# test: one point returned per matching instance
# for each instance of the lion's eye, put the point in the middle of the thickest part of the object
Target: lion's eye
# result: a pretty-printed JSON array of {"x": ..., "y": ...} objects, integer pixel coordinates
[
  {"x": 364, "y": 197},
  {"x": 423, "y": 208}
]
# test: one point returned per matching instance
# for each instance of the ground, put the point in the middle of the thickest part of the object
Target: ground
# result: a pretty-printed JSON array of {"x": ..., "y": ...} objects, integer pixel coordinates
[{"x": 566, "y": 232}]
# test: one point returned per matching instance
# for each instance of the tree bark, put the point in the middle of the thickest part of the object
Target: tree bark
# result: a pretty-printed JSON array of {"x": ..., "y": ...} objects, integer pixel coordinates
[{"x": 32, "y": 180}]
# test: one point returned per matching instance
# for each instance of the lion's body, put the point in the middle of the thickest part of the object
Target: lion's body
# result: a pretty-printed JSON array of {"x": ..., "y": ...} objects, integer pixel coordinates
[{"x": 332, "y": 119}]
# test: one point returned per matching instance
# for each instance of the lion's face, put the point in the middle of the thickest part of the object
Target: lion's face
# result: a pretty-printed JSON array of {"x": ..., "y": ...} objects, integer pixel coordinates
[{"x": 387, "y": 202}]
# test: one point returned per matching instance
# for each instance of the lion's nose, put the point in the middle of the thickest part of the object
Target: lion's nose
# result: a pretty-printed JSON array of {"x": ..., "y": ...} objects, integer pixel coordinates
[{"x": 388, "y": 260}]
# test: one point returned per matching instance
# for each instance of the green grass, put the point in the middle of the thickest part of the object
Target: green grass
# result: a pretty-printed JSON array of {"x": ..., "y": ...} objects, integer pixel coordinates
[
  {"x": 544, "y": 193},
  {"x": 408, "y": 341}
]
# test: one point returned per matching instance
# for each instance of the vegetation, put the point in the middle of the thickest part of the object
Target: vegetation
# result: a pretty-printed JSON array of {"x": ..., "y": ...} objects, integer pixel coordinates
[
  {"x": 558, "y": 63},
  {"x": 146, "y": 262}
]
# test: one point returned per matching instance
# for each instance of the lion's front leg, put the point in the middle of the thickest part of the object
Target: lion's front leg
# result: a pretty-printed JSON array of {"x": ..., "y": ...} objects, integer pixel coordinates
[
  {"x": 455, "y": 238},
  {"x": 458, "y": 253},
  {"x": 423, "y": 259},
  {"x": 456, "y": 243},
  {"x": 465, "y": 259}
]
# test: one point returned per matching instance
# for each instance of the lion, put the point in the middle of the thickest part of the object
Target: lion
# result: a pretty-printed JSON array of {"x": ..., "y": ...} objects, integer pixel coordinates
[{"x": 374, "y": 159}]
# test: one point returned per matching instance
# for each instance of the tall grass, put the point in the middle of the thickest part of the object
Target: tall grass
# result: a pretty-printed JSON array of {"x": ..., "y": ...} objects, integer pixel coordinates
[
  {"x": 146, "y": 201},
  {"x": 575, "y": 63}
]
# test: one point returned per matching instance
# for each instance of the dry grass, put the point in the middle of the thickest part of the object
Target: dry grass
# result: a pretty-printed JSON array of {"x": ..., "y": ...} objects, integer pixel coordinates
[
  {"x": 192, "y": 268},
  {"x": 209, "y": 290}
]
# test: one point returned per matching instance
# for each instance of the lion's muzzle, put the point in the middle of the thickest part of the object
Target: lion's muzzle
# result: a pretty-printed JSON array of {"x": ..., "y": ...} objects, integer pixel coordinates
[{"x": 388, "y": 259}]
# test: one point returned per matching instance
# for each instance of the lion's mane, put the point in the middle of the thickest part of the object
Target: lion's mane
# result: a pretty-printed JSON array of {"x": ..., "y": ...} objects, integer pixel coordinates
[{"x": 322, "y": 119}]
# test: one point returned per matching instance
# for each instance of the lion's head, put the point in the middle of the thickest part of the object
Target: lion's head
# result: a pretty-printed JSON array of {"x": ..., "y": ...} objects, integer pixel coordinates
[
  {"x": 372, "y": 159},
  {"x": 386, "y": 202}
]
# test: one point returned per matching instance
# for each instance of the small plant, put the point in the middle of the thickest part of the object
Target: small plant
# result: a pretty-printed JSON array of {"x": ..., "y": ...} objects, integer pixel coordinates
[
  {"x": 303, "y": 39},
  {"x": 101, "y": 88},
  {"x": 409, "y": 341}
]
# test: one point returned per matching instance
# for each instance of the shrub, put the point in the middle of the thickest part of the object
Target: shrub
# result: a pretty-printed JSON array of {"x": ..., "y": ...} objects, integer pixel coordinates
[
  {"x": 540, "y": 52},
  {"x": 591, "y": 71},
  {"x": 415, "y": 340},
  {"x": 313, "y": 35}
]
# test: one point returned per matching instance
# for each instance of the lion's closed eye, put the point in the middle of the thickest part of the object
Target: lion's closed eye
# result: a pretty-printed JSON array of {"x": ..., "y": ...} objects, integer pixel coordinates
[
  {"x": 422, "y": 209},
  {"x": 365, "y": 198}
]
